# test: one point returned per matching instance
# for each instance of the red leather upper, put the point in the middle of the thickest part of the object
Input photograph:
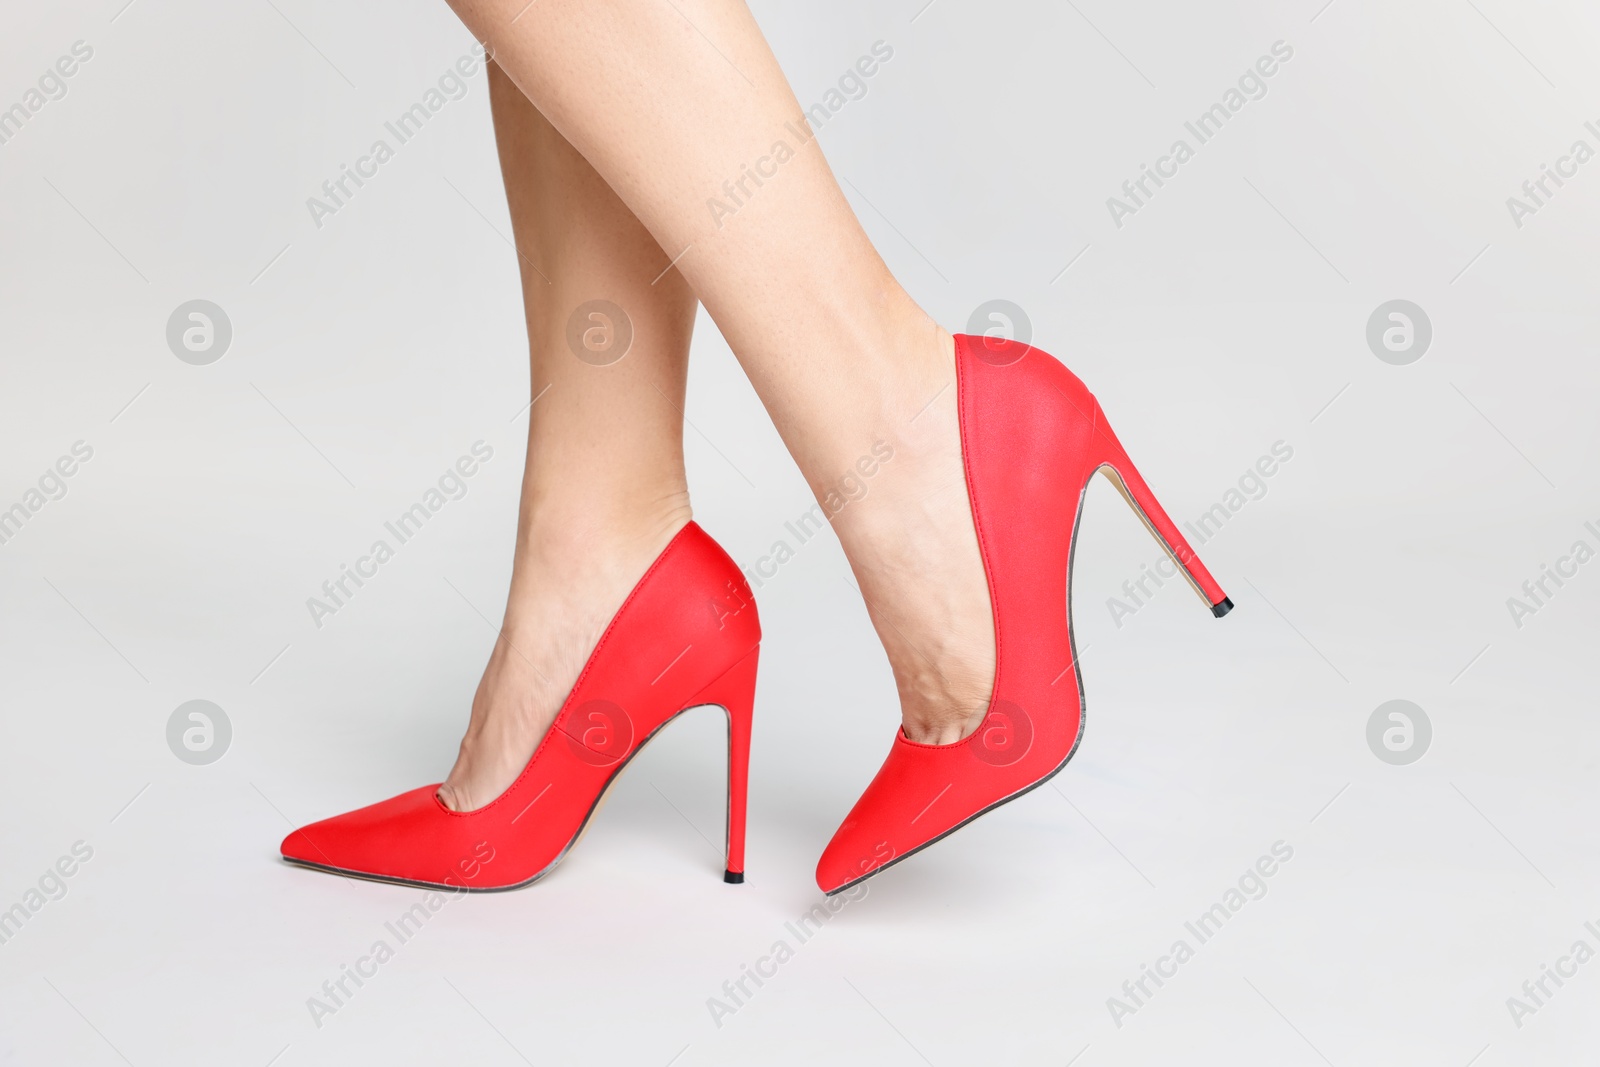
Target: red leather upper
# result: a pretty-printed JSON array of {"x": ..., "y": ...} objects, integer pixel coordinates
[
  {"x": 690, "y": 619},
  {"x": 1028, "y": 436}
]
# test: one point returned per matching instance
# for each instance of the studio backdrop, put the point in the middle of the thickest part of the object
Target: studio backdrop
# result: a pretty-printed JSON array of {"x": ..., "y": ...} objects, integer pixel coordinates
[{"x": 1329, "y": 264}]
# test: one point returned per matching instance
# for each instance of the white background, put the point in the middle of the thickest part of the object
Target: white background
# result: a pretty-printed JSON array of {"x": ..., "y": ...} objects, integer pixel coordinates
[{"x": 1228, "y": 314}]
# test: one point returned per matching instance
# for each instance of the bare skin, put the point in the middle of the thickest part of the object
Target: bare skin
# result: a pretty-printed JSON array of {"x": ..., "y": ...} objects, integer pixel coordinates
[
  {"x": 638, "y": 115},
  {"x": 603, "y": 490}
]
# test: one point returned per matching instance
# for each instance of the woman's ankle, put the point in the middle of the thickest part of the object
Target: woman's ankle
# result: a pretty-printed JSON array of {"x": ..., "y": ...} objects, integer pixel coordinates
[{"x": 583, "y": 547}]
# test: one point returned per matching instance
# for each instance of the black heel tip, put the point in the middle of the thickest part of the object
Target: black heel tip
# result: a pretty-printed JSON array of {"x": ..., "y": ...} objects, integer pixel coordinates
[
  {"x": 733, "y": 877},
  {"x": 1219, "y": 610}
]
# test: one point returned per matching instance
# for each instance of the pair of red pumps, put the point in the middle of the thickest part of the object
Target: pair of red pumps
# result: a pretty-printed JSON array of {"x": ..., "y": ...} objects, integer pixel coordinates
[{"x": 1032, "y": 436}]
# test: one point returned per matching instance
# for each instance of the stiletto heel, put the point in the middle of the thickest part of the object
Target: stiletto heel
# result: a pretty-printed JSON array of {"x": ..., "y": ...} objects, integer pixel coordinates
[
  {"x": 687, "y": 635},
  {"x": 1028, "y": 428},
  {"x": 1121, "y": 472},
  {"x": 735, "y": 693}
]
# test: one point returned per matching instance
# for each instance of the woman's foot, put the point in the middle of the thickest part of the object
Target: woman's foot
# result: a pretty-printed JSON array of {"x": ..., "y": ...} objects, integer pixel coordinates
[
  {"x": 914, "y": 550},
  {"x": 568, "y": 582},
  {"x": 662, "y": 652},
  {"x": 1034, "y": 436}
]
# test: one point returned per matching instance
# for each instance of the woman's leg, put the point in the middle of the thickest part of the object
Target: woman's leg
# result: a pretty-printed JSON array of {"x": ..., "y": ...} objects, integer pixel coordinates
[
  {"x": 604, "y": 489},
  {"x": 677, "y": 105}
]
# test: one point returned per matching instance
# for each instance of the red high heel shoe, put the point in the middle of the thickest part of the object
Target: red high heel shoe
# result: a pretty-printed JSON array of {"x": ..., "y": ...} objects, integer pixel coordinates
[
  {"x": 687, "y": 635},
  {"x": 1031, "y": 436}
]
